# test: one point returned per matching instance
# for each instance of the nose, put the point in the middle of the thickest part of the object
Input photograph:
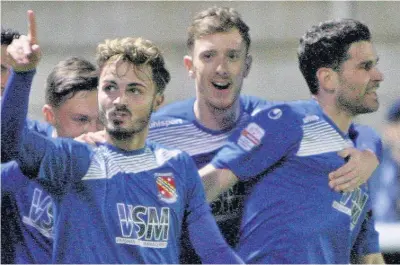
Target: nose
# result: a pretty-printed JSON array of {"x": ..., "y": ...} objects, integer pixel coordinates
[
  {"x": 120, "y": 98},
  {"x": 222, "y": 68},
  {"x": 378, "y": 75}
]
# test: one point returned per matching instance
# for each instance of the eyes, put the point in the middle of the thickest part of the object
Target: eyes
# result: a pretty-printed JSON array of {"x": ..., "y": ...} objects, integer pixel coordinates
[
  {"x": 132, "y": 89},
  {"x": 135, "y": 90},
  {"x": 232, "y": 55},
  {"x": 81, "y": 119},
  {"x": 369, "y": 65},
  {"x": 109, "y": 88}
]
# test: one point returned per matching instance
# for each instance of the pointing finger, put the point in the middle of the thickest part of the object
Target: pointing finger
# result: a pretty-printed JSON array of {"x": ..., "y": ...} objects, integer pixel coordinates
[{"x": 32, "y": 32}]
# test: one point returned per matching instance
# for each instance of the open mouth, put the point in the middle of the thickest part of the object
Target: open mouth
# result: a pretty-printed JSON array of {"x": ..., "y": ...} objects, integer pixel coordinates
[{"x": 221, "y": 85}]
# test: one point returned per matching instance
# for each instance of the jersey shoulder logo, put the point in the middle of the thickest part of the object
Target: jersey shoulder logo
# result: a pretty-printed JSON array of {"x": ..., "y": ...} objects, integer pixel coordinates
[
  {"x": 275, "y": 114},
  {"x": 166, "y": 187},
  {"x": 251, "y": 136}
]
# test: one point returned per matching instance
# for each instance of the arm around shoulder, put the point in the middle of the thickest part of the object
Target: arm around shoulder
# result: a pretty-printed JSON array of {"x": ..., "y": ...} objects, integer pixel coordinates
[{"x": 216, "y": 181}]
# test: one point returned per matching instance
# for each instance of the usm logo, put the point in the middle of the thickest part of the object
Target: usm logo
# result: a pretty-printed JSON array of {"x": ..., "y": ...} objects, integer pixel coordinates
[
  {"x": 41, "y": 213},
  {"x": 352, "y": 204},
  {"x": 143, "y": 226}
]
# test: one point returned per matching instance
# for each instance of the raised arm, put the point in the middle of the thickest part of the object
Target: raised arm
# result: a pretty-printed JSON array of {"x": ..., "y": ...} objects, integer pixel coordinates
[
  {"x": 56, "y": 163},
  {"x": 24, "y": 55}
]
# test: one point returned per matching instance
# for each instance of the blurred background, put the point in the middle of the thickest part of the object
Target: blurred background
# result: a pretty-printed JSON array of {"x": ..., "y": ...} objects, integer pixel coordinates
[
  {"x": 75, "y": 28},
  {"x": 67, "y": 28}
]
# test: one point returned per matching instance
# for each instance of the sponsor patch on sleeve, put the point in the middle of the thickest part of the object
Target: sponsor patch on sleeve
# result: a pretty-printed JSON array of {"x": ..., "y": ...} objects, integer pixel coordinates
[{"x": 251, "y": 136}]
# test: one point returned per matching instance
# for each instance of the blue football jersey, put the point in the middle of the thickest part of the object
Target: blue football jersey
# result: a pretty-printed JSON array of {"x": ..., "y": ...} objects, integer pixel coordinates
[
  {"x": 27, "y": 218},
  {"x": 112, "y": 205},
  {"x": 291, "y": 215},
  {"x": 40, "y": 127},
  {"x": 365, "y": 238},
  {"x": 175, "y": 125},
  {"x": 115, "y": 206}
]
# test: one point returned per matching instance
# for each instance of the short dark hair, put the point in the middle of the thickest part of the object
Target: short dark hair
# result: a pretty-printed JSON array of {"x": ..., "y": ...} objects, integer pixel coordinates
[
  {"x": 69, "y": 77},
  {"x": 7, "y": 36},
  {"x": 326, "y": 45},
  {"x": 214, "y": 20}
]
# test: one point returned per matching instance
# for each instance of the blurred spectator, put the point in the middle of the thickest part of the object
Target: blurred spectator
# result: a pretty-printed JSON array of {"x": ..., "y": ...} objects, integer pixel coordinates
[{"x": 386, "y": 180}]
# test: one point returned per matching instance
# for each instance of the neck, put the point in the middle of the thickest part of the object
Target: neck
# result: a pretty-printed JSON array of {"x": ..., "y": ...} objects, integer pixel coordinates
[
  {"x": 216, "y": 119},
  {"x": 340, "y": 117},
  {"x": 129, "y": 142}
]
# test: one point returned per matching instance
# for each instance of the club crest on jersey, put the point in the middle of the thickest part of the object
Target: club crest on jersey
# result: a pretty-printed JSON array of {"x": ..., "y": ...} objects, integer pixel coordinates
[
  {"x": 166, "y": 187},
  {"x": 251, "y": 136}
]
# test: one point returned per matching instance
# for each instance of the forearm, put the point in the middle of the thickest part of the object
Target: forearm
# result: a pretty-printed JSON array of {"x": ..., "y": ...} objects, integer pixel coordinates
[
  {"x": 209, "y": 243},
  {"x": 375, "y": 258},
  {"x": 18, "y": 143},
  {"x": 14, "y": 109},
  {"x": 216, "y": 181}
]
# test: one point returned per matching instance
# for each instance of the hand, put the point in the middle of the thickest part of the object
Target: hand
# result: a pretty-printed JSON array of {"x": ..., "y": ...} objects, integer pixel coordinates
[
  {"x": 24, "y": 53},
  {"x": 355, "y": 172},
  {"x": 92, "y": 138}
]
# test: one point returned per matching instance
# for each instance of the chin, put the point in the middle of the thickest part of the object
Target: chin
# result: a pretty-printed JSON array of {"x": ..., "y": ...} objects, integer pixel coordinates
[
  {"x": 366, "y": 110},
  {"x": 120, "y": 134},
  {"x": 223, "y": 104},
  {"x": 374, "y": 107}
]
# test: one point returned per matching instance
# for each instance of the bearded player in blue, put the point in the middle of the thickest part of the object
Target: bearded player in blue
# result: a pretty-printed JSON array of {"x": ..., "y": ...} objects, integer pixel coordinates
[
  {"x": 124, "y": 201},
  {"x": 290, "y": 214}
]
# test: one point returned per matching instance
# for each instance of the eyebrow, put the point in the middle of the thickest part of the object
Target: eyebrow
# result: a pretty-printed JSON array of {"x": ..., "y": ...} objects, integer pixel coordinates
[
  {"x": 80, "y": 115},
  {"x": 129, "y": 84},
  {"x": 374, "y": 61},
  {"x": 214, "y": 49}
]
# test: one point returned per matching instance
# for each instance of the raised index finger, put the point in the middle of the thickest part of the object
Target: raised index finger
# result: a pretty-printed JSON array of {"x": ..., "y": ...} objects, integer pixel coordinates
[{"x": 32, "y": 27}]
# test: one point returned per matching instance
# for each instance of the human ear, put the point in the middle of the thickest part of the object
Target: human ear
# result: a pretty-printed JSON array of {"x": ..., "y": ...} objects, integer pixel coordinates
[
  {"x": 159, "y": 100},
  {"x": 188, "y": 62},
  {"x": 48, "y": 114},
  {"x": 327, "y": 79}
]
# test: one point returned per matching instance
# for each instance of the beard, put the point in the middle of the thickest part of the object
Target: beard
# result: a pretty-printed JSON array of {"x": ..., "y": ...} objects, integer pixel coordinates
[
  {"x": 356, "y": 107},
  {"x": 123, "y": 134}
]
